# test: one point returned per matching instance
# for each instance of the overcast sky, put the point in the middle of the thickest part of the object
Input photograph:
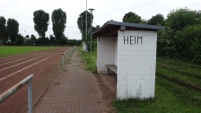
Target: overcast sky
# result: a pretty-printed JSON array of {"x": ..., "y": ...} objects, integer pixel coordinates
[{"x": 22, "y": 11}]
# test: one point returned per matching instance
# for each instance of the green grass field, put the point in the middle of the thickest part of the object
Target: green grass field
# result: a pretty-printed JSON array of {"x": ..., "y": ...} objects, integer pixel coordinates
[
  {"x": 178, "y": 88},
  {"x": 14, "y": 50}
]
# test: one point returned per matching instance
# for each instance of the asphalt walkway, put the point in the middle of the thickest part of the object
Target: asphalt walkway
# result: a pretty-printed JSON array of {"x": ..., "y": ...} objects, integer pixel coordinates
[{"x": 73, "y": 91}]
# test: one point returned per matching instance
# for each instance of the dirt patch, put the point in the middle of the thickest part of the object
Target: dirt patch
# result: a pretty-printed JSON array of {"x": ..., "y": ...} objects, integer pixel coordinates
[{"x": 108, "y": 95}]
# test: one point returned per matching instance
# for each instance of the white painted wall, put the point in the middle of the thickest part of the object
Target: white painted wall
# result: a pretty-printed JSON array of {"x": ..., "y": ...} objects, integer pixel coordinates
[
  {"x": 115, "y": 52},
  {"x": 136, "y": 65},
  {"x": 105, "y": 52}
]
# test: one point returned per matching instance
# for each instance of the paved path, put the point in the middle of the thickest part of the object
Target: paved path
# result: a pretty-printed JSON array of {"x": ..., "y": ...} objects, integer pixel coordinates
[{"x": 72, "y": 91}]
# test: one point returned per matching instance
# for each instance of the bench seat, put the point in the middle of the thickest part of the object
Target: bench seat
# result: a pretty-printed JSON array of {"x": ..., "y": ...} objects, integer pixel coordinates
[{"x": 111, "y": 68}]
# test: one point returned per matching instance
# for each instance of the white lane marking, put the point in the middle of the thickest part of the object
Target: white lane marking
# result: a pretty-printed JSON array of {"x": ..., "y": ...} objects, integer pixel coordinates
[
  {"x": 24, "y": 55},
  {"x": 19, "y": 64},
  {"x": 12, "y": 61},
  {"x": 16, "y": 60},
  {"x": 11, "y": 58},
  {"x": 3, "y": 78}
]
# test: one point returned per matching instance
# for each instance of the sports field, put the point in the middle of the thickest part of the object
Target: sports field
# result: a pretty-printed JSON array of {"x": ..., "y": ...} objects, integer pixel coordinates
[
  {"x": 14, "y": 50},
  {"x": 16, "y": 63}
]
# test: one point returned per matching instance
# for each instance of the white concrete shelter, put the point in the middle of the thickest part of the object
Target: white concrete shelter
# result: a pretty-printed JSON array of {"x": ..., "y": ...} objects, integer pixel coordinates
[{"x": 132, "y": 49}]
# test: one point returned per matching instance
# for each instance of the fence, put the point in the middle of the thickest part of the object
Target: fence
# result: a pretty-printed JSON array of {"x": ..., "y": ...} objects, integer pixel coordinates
[
  {"x": 66, "y": 55},
  {"x": 16, "y": 87}
]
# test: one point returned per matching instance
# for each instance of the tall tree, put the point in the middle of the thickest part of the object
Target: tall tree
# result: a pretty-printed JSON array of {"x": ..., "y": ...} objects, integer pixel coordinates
[
  {"x": 3, "y": 29},
  {"x": 58, "y": 23},
  {"x": 20, "y": 39},
  {"x": 41, "y": 19},
  {"x": 157, "y": 20},
  {"x": 12, "y": 29},
  {"x": 81, "y": 22},
  {"x": 33, "y": 37},
  {"x": 178, "y": 19},
  {"x": 131, "y": 17}
]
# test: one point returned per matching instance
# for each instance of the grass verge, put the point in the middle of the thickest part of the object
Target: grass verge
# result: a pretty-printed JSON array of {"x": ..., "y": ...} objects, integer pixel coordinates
[
  {"x": 14, "y": 50},
  {"x": 89, "y": 59}
]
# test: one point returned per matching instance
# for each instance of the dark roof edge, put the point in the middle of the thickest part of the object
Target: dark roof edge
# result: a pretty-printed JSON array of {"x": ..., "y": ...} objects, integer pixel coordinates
[
  {"x": 134, "y": 25},
  {"x": 137, "y": 25}
]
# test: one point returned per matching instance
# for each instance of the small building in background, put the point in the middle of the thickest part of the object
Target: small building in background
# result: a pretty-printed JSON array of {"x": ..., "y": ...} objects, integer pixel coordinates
[{"x": 132, "y": 49}]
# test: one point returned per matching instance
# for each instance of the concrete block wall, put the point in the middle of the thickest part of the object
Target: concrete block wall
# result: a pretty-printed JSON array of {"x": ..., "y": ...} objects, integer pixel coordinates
[
  {"x": 105, "y": 52},
  {"x": 136, "y": 62}
]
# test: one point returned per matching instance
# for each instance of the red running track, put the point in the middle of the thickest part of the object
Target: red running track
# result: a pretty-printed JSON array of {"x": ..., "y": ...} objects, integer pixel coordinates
[{"x": 45, "y": 65}]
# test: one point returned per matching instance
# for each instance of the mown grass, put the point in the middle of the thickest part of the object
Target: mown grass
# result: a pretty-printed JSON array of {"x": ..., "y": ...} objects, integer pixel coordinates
[
  {"x": 170, "y": 96},
  {"x": 180, "y": 77},
  {"x": 167, "y": 100},
  {"x": 14, "y": 50},
  {"x": 178, "y": 62},
  {"x": 181, "y": 69}
]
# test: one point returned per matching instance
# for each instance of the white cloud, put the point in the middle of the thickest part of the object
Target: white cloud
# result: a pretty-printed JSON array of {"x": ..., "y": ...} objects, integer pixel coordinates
[{"x": 22, "y": 11}]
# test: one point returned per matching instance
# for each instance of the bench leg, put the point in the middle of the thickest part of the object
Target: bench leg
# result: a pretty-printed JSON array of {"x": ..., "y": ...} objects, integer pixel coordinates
[{"x": 108, "y": 71}]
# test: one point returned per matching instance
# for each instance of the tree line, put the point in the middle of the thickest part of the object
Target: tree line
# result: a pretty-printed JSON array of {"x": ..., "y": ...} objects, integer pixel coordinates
[
  {"x": 181, "y": 37},
  {"x": 81, "y": 22},
  {"x": 9, "y": 30}
]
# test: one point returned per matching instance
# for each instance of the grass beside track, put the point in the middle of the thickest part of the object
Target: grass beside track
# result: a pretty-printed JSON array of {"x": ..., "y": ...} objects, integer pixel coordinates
[{"x": 14, "y": 50}]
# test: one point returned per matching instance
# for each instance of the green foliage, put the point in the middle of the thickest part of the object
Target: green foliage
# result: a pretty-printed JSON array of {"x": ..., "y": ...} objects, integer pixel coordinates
[
  {"x": 3, "y": 29},
  {"x": 14, "y": 50},
  {"x": 20, "y": 39},
  {"x": 157, "y": 20},
  {"x": 41, "y": 19},
  {"x": 12, "y": 29},
  {"x": 178, "y": 19},
  {"x": 62, "y": 41},
  {"x": 181, "y": 37},
  {"x": 89, "y": 60},
  {"x": 81, "y": 22},
  {"x": 73, "y": 42},
  {"x": 131, "y": 17},
  {"x": 33, "y": 37},
  {"x": 58, "y": 21},
  {"x": 189, "y": 42}
]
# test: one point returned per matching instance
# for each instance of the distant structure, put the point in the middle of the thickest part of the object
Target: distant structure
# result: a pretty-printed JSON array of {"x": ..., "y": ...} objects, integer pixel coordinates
[{"x": 29, "y": 42}]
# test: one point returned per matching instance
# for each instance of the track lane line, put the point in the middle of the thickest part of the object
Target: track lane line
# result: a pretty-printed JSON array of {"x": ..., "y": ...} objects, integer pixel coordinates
[
  {"x": 23, "y": 55},
  {"x": 10, "y": 58},
  {"x": 12, "y": 61},
  {"x": 3, "y": 78},
  {"x": 19, "y": 64}
]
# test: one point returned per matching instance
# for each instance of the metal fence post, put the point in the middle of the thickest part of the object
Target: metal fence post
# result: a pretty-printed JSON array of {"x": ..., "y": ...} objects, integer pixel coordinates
[
  {"x": 16, "y": 87},
  {"x": 29, "y": 97},
  {"x": 66, "y": 58},
  {"x": 63, "y": 60}
]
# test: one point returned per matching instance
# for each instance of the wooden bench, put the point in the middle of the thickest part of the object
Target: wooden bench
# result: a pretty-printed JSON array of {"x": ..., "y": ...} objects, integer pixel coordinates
[{"x": 111, "y": 68}]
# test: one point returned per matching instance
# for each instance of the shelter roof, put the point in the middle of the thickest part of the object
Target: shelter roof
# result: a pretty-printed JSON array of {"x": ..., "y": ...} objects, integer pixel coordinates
[{"x": 110, "y": 28}]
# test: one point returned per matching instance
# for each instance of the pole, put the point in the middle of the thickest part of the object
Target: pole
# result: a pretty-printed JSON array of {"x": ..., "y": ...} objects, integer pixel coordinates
[
  {"x": 29, "y": 97},
  {"x": 86, "y": 23},
  {"x": 49, "y": 30},
  {"x": 91, "y": 35},
  {"x": 91, "y": 31}
]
